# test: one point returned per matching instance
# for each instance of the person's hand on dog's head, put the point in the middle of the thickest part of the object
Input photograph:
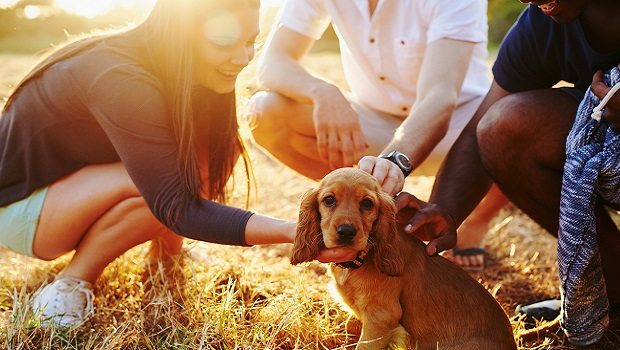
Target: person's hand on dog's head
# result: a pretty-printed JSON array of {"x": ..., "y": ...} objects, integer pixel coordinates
[
  {"x": 427, "y": 221},
  {"x": 387, "y": 173}
]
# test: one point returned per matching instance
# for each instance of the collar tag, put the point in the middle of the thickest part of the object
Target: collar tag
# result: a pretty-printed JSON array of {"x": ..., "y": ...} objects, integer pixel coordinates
[{"x": 354, "y": 264}]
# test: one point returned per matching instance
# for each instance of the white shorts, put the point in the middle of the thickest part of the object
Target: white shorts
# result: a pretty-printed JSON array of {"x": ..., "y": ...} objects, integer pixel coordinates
[{"x": 379, "y": 128}]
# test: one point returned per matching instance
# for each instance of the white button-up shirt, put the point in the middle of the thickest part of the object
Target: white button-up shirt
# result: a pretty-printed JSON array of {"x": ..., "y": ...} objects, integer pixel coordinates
[{"x": 382, "y": 54}]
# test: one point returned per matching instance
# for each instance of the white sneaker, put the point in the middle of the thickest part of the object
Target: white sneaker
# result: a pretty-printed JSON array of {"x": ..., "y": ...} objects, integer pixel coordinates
[{"x": 66, "y": 302}]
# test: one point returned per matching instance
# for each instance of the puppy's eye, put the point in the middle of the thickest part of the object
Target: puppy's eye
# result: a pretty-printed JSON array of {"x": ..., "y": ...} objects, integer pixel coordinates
[
  {"x": 367, "y": 204},
  {"x": 329, "y": 201}
]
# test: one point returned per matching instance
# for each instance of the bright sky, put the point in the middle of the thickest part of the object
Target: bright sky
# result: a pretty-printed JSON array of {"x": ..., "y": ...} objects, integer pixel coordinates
[
  {"x": 7, "y": 3},
  {"x": 92, "y": 8}
]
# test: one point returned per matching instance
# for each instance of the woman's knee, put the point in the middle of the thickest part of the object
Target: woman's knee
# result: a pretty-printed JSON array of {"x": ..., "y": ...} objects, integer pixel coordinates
[
  {"x": 55, "y": 239},
  {"x": 136, "y": 210}
]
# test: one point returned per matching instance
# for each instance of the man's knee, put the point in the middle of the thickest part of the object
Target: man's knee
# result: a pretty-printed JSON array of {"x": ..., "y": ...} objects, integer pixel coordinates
[
  {"x": 263, "y": 116},
  {"x": 502, "y": 130}
]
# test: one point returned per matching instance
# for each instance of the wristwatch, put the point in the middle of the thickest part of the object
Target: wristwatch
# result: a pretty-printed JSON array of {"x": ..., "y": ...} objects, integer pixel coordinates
[{"x": 400, "y": 159}]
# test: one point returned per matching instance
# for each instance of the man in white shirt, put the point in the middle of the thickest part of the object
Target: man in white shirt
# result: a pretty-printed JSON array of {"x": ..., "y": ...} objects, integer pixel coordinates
[{"x": 416, "y": 71}]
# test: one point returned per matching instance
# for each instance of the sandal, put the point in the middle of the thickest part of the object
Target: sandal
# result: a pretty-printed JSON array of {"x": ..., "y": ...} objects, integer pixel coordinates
[
  {"x": 470, "y": 252},
  {"x": 540, "y": 310}
]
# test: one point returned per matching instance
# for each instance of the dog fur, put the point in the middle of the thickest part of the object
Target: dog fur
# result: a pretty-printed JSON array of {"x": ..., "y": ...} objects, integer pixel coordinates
[{"x": 400, "y": 294}]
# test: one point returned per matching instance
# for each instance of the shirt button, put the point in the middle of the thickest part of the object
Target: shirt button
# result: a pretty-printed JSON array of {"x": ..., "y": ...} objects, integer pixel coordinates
[
  {"x": 382, "y": 77},
  {"x": 402, "y": 42},
  {"x": 372, "y": 40},
  {"x": 405, "y": 109}
]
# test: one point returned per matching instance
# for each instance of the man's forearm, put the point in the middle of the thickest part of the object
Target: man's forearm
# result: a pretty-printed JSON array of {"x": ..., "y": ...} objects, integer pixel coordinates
[{"x": 423, "y": 129}]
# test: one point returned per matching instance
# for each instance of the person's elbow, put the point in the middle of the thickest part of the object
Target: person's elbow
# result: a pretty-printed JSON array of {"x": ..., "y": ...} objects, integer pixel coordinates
[
  {"x": 268, "y": 70},
  {"x": 264, "y": 68}
]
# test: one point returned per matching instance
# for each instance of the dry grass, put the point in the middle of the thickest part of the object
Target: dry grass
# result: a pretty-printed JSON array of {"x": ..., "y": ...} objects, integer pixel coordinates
[{"x": 218, "y": 297}]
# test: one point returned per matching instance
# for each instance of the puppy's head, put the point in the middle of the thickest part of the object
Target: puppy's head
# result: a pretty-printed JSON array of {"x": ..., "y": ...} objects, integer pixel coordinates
[{"x": 347, "y": 209}]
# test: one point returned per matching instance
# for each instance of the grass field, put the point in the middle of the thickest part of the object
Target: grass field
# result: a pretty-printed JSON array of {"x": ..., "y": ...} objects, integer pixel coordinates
[{"x": 218, "y": 297}]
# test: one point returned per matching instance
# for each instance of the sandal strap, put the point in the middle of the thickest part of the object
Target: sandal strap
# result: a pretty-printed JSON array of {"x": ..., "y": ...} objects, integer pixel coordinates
[{"x": 468, "y": 251}]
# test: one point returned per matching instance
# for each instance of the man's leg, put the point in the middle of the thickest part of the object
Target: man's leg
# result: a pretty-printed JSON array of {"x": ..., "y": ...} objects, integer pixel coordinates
[
  {"x": 469, "y": 252},
  {"x": 285, "y": 129},
  {"x": 469, "y": 249},
  {"x": 522, "y": 143}
]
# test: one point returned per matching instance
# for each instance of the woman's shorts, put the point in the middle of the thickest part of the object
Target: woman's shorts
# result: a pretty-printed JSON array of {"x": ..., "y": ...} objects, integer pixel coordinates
[{"x": 18, "y": 223}]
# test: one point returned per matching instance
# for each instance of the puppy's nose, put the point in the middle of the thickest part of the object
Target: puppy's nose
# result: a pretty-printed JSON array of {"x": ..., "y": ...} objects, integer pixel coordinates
[{"x": 346, "y": 232}]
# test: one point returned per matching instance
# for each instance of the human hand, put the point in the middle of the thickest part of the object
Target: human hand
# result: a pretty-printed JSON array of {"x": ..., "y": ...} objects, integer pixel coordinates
[
  {"x": 339, "y": 254},
  {"x": 386, "y": 172},
  {"x": 612, "y": 108},
  {"x": 339, "y": 136},
  {"x": 427, "y": 221}
]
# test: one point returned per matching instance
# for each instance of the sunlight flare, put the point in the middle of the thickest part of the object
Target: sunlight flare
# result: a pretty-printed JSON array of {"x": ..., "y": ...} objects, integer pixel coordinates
[
  {"x": 93, "y": 8},
  {"x": 7, "y": 3}
]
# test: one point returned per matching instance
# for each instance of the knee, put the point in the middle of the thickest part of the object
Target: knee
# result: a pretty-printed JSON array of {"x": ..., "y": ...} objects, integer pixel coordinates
[
  {"x": 135, "y": 206},
  {"x": 265, "y": 116},
  {"x": 501, "y": 131},
  {"x": 135, "y": 210}
]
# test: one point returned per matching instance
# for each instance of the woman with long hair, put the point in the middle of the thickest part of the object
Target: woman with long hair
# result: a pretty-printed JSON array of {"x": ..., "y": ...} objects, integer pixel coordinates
[{"x": 127, "y": 137}]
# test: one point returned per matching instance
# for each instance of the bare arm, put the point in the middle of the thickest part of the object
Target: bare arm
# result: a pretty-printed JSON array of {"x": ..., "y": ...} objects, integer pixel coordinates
[
  {"x": 441, "y": 77},
  {"x": 263, "y": 229},
  {"x": 280, "y": 68},
  {"x": 461, "y": 184},
  {"x": 439, "y": 84},
  {"x": 339, "y": 135}
]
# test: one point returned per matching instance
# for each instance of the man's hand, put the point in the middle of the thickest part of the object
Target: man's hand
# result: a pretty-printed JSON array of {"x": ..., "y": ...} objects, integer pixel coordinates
[
  {"x": 339, "y": 136},
  {"x": 426, "y": 221},
  {"x": 612, "y": 108},
  {"x": 387, "y": 173}
]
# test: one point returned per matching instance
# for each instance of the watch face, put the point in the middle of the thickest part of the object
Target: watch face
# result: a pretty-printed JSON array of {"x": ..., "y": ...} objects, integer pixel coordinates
[{"x": 403, "y": 161}]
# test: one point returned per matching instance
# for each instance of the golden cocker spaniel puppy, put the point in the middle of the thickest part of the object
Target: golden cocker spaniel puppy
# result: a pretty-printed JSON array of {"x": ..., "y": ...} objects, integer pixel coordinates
[{"x": 399, "y": 293}]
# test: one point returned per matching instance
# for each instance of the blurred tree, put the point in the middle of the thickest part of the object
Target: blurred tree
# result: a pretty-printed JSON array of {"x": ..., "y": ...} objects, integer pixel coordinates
[{"x": 502, "y": 14}]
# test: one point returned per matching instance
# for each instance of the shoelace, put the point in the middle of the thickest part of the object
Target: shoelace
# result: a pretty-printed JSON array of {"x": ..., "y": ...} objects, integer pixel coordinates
[{"x": 78, "y": 287}]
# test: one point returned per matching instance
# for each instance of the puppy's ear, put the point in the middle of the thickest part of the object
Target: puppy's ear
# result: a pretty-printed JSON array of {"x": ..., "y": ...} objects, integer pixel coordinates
[
  {"x": 309, "y": 238},
  {"x": 389, "y": 255}
]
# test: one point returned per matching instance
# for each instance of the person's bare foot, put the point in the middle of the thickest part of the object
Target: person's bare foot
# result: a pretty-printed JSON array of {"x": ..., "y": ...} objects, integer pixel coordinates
[{"x": 469, "y": 250}]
